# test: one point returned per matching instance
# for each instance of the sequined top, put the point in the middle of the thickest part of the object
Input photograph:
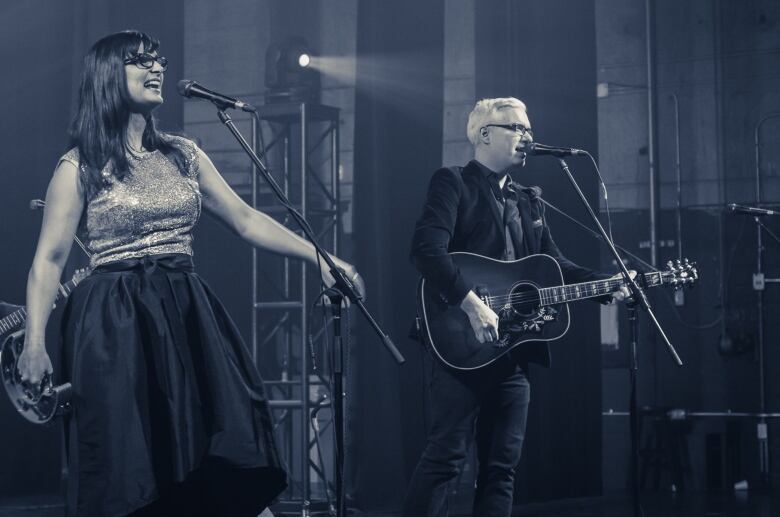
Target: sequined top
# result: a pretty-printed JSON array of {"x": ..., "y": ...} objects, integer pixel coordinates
[{"x": 152, "y": 210}]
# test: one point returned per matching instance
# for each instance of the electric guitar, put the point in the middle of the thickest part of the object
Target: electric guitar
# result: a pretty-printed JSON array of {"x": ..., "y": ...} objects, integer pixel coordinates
[
  {"x": 36, "y": 403},
  {"x": 530, "y": 299}
]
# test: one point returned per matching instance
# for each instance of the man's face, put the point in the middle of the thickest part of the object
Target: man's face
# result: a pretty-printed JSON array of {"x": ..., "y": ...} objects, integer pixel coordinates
[{"x": 508, "y": 131}]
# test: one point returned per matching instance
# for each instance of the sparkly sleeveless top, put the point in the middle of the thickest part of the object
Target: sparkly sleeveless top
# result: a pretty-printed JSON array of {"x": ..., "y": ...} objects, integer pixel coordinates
[{"x": 151, "y": 211}]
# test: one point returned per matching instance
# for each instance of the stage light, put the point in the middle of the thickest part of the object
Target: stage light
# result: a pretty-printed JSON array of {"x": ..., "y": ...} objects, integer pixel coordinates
[{"x": 288, "y": 74}]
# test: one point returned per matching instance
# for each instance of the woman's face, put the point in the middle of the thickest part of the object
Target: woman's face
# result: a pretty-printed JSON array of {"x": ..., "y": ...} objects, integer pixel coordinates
[{"x": 144, "y": 80}]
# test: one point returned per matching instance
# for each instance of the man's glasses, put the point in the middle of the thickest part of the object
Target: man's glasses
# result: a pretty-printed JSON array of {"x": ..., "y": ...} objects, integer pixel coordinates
[
  {"x": 146, "y": 61},
  {"x": 517, "y": 128}
]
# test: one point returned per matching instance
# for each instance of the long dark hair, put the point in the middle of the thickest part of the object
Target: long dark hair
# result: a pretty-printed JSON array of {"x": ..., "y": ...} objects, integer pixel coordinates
[{"x": 99, "y": 127}]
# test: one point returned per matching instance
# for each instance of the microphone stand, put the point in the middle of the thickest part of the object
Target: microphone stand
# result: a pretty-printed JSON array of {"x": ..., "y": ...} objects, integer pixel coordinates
[
  {"x": 336, "y": 298},
  {"x": 639, "y": 300},
  {"x": 343, "y": 288}
]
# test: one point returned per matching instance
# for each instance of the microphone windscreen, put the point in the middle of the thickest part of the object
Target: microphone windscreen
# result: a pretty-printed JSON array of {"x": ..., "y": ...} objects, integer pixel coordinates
[{"x": 184, "y": 87}]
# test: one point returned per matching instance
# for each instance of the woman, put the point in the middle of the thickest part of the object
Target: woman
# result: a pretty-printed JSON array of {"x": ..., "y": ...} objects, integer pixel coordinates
[{"x": 169, "y": 410}]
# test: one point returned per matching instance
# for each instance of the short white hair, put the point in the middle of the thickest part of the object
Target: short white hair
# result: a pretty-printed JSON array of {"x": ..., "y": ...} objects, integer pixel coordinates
[{"x": 483, "y": 114}]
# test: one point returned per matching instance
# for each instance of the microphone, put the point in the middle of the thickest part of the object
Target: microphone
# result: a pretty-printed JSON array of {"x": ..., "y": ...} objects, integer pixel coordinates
[
  {"x": 536, "y": 149},
  {"x": 37, "y": 204},
  {"x": 191, "y": 89},
  {"x": 749, "y": 210}
]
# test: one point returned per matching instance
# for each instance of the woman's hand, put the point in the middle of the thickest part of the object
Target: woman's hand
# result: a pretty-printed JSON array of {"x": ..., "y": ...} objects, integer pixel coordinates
[
  {"x": 34, "y": 363},
  {"x": 349, "y": 271}
]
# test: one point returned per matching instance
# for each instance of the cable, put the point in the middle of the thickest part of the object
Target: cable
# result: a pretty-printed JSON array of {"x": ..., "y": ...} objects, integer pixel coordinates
[
  {"x": 596, "y": 234},
  {"x": 606, "y": 199}
]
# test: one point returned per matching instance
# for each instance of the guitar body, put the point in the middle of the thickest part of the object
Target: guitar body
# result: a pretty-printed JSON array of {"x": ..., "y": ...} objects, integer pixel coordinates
[
  {"x": 37, "y": 404},
  {"x": 41, "y": 402},
  {"x": 511, "y": 289}
]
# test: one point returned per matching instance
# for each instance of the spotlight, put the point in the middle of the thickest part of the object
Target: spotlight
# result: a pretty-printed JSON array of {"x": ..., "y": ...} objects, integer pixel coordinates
[{"x": 288, "y": 74}]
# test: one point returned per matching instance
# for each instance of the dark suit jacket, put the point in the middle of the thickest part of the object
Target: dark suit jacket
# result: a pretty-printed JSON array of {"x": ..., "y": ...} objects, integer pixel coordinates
[{"x": 460, "y": 214}]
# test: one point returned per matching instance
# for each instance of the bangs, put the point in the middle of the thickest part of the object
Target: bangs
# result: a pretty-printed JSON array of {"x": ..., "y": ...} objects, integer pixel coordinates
[{"x": 132, "y": 39}]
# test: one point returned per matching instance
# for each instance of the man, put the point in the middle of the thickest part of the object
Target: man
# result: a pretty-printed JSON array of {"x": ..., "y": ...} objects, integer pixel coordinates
[{"x": 478, "y": 209}]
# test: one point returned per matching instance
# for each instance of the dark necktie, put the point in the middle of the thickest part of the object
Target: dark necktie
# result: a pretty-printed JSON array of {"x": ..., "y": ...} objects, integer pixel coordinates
[
  {"x": 512, "y": 217},
  {"x": 507, "y": 196}
]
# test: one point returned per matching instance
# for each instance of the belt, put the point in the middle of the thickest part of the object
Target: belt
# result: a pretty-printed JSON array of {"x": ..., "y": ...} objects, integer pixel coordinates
[{"x": 167, "y": 262}]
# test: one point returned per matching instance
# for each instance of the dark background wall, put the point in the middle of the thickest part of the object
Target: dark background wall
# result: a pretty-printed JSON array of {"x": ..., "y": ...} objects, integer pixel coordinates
[
  {"x": 718, "y": 60},
  {"x": 397, "y": 146},
  {"x": 28, "y": 164}
]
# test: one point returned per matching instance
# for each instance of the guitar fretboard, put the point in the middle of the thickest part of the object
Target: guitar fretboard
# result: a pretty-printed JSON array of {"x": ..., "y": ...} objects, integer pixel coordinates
[
  {"x": 18, "y": 318},
  {"x": 567, "y": 293},
  {"x": 13, "y": 320}
]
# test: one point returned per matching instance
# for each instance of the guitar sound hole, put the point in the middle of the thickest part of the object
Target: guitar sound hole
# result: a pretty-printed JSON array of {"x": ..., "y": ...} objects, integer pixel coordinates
[{"x": 524, "y": 299}]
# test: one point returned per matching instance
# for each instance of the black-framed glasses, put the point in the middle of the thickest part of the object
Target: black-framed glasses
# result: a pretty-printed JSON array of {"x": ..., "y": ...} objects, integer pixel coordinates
[
  {"x": 517, "y": 128},
  {"x": 146, "y": 61}
]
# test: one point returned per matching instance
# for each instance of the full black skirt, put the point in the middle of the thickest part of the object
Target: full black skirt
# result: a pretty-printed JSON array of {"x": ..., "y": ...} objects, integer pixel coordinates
[{"x": 165, "y": 396}]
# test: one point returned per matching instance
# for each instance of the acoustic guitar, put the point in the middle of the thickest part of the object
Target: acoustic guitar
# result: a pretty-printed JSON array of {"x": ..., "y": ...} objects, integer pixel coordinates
[{"x": 530, "y": 299}]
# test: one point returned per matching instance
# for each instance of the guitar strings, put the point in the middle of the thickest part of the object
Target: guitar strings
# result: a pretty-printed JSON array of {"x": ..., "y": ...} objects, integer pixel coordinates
[{"x": 536, "y": 296}]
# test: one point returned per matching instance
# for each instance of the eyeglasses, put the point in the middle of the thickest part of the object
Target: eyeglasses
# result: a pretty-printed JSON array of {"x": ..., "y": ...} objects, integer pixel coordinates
[
  {"x": 146, "y": 61},
  {"x": 517, "y": 128}
]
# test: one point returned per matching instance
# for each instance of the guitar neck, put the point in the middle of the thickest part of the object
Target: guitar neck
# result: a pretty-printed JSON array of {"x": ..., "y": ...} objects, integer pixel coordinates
[
  {"x": 581, "y": 291},
  {"x": 19, "y": 317}
]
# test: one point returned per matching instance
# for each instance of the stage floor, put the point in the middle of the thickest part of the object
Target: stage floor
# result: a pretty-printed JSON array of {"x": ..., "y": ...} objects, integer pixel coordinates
[
  {"x": 654, "y": 504},
  {"x": 662, "y": 504}
]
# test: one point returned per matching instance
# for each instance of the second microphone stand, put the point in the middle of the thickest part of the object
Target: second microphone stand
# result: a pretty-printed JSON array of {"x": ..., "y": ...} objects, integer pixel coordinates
[
  {"x": 342, "y": 288},
  {"x": 639, "y": 301}
]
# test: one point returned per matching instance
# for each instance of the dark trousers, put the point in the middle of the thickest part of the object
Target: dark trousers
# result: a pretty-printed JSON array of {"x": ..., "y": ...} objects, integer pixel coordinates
[{"x": 490, "y": 405}]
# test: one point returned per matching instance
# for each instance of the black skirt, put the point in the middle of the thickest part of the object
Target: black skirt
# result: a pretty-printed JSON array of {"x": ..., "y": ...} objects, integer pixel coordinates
[{"x": 165, "y": 396}]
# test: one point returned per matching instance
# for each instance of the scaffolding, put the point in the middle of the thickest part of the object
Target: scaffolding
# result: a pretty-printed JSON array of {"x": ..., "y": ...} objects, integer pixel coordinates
[{"x": 302, "y": 155}]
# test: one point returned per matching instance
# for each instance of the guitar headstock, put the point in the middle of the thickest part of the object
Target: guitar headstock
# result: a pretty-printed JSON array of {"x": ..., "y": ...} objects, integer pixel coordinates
[
  {"x": 80, "y": 274},
  {"x": 680, "y": 273}
]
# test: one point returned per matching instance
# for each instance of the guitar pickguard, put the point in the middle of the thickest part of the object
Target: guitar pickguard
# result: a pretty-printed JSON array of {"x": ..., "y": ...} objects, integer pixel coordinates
[{"x": 512, "y": 325}]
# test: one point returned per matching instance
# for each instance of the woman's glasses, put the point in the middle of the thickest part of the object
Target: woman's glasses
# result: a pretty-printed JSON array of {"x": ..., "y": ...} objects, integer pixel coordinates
[{"x": 146, "y": 61}]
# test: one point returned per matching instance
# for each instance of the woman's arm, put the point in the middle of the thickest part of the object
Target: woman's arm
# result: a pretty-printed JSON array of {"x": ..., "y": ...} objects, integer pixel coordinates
[
  {"x": 64, "y": 202},
  {"x": 255, "y": 227}
]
